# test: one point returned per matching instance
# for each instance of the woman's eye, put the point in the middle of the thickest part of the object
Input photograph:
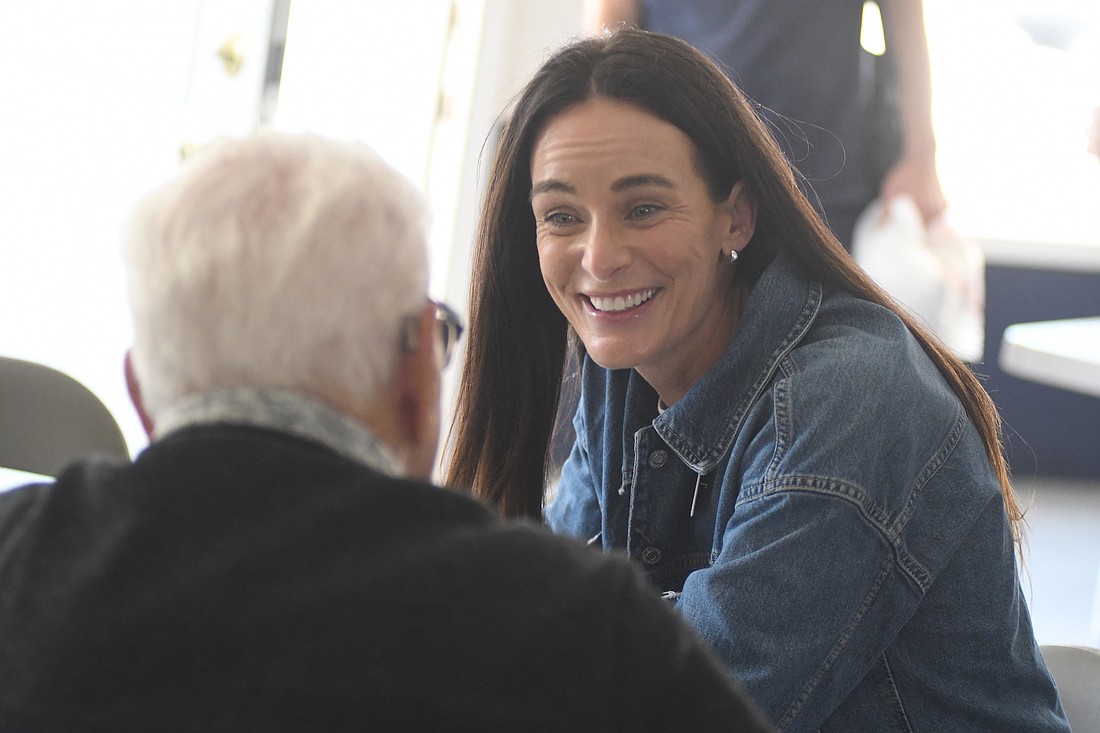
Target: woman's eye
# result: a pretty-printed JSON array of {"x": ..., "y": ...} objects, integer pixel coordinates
[
  {"x": 559, "y": 218},
  {"x": 643, "y": 211}
]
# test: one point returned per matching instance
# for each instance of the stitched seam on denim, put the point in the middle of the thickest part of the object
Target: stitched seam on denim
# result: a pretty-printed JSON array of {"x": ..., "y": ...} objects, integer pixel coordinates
[
  {"x": 898, "y": 706},
  {"x": 630, "y": 464},
  {"x": 875, "y": 516},
  {"x": 842, "y": 642},
  {"x": 782, "y": 417},
  {"x": 827, "y": 487},
  {"x": 909, "y": 564},
  {"x": 628, "y": 483},
  {"x": 935, "y": 463},
  {"x": 797, "y": 333},
  {"x": 913, "y": 569},
  {"x": 706, "y": 464}
]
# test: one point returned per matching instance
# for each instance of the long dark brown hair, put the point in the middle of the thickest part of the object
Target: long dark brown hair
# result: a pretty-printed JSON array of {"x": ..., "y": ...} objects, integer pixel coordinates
[{"x": 512, "y": 376}]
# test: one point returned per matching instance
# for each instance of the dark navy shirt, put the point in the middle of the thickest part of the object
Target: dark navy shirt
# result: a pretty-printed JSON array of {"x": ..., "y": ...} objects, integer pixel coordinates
[{"x": 801, "y": 60}]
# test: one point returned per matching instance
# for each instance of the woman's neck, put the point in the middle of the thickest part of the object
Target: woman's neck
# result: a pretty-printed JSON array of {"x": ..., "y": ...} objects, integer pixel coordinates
[{"x": 671, "y": 386}]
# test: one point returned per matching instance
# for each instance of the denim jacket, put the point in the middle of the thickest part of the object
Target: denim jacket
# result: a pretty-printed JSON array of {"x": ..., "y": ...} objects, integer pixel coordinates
[{"x": 848, "y": 555}]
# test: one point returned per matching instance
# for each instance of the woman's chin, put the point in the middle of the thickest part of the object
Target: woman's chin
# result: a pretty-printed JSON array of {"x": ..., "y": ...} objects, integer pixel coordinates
[{"x": 613, "y": 358}]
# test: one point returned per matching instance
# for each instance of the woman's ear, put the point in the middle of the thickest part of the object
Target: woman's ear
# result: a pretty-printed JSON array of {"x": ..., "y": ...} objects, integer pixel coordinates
[{"x": 740, "y": 210}]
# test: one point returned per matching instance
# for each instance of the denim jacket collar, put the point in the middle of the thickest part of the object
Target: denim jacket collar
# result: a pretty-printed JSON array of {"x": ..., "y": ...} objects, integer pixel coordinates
[{"x": 701, "y": 425}]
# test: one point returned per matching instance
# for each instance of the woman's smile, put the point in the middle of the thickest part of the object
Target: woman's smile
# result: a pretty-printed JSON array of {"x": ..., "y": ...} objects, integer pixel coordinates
[{"x": 620, "y": 303}]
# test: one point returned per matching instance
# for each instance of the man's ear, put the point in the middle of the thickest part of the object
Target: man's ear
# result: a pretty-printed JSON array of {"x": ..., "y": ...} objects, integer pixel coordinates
[
  {"x": 134, "y": 388},
  {"x": 740, "y": 209},
  {"x": 417, "y": 383}
]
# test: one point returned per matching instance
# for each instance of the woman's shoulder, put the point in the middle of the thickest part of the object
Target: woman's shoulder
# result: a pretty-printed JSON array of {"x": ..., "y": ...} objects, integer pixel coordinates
[
  {"x": 863, "y": 403},
  {"x": 860, "y": 347},
  {"x": 860, "y": 372}
]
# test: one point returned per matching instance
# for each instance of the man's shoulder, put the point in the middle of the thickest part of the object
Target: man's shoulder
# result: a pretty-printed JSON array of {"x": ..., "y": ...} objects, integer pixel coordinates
[
  {"x": 435, "y": 594},
  {"x": 18, "y": 502}
]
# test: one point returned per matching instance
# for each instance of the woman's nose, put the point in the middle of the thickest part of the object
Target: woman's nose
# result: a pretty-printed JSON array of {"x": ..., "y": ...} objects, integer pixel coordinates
[{"x": 606, "y": 251}]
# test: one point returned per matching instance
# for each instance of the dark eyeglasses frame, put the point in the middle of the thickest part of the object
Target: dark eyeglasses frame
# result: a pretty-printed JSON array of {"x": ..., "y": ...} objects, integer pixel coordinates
[{"x": 449, "y": 329}]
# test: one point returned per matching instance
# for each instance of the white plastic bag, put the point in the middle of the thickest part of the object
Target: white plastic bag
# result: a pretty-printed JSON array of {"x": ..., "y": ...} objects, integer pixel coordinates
[{"x": 935, "y": 272}]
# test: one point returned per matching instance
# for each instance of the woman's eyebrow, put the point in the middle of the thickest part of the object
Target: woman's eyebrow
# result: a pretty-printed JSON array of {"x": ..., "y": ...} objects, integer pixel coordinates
[
  {"x": 551, "y": 185},
  {"x": 623, "y": 184},
  {"x": 641, "y": 179}
]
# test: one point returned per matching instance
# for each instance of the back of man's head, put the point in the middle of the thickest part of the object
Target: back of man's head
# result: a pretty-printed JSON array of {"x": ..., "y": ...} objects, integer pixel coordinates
[{"x": 277, "y": 261}]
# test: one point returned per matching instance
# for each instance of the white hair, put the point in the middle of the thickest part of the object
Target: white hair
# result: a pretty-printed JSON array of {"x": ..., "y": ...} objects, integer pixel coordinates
[{"x": 275, "y": 261}]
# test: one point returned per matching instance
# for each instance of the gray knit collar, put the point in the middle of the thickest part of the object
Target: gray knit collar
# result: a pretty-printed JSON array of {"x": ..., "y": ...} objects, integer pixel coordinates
[{"x": 283, "y": 411}]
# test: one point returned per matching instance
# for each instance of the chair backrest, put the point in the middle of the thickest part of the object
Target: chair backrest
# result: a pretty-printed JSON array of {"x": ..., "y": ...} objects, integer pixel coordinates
[
  {"x": 48, "y": 419},
  {"x": 1076, "y": 671}
]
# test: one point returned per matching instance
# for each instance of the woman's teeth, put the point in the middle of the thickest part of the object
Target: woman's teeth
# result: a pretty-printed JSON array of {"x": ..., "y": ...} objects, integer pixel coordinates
[{"x": 620, "y": 303}]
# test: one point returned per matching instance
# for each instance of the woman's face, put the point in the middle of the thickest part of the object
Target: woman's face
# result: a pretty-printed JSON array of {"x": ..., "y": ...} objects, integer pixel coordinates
[{"x": 632, "y": 248}]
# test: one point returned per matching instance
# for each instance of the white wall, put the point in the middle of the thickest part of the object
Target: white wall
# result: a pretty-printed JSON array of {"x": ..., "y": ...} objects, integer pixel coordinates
[
  {"x": 1011, "y": 118},
  {"x": 97, "y": 100}
]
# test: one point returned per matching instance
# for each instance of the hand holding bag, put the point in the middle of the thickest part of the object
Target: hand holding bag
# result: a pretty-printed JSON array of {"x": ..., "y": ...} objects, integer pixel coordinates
[{"x": 935, "y": 272}]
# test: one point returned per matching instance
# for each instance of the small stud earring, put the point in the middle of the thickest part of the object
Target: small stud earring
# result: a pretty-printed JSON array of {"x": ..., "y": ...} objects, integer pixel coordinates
[{"x": 733, "y": 257}]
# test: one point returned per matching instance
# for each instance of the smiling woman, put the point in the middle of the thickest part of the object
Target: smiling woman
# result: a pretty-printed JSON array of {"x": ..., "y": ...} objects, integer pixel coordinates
[
  {"x": 628, "y": 238},
  {"x": 812, "y": 478}
]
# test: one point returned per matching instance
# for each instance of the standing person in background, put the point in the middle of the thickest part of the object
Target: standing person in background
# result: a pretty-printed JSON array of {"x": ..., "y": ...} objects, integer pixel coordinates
[
  {"x": 276, "y": 559},
  {"x": 813, "y": 479},
  {"x": 837, "y": 111}
]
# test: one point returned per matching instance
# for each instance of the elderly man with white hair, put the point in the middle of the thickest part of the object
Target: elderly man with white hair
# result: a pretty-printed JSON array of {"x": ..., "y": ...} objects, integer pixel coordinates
[{"x": 276, "y": 558}]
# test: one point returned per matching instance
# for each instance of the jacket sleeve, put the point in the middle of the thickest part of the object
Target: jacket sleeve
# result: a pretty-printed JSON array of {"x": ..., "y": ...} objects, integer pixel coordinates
[
  {"x": 575, "y": 507},
  {"x": 675, "y": 682},
  {"x": 802, "y": 600}
]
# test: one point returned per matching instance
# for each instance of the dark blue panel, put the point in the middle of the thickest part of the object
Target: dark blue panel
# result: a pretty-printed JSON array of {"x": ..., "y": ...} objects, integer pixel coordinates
[{"x": 1050, "y": 431}]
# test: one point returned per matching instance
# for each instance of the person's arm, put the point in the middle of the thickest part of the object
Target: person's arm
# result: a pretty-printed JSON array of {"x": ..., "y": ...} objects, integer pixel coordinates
[
  {"x": 915, "y": 171},
  {"x": 600, "y": 14},
  {"x": 669, "y": 679},
  {"x": 785, "y": 605},
  {"x": 575, "y": 509}
]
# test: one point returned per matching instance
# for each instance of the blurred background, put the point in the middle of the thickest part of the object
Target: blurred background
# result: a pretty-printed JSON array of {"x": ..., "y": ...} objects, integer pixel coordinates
[{"x": 99, "y": 101}]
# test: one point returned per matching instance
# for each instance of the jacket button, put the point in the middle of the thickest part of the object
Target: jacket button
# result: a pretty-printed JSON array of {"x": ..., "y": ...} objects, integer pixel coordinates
[
  {"x": 651, "y": 555},
  {"x": 658, "y": 458}
]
